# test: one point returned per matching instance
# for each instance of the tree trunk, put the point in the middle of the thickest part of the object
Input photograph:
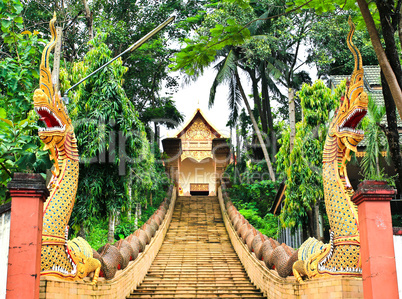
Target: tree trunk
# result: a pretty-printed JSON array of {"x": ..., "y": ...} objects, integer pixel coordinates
[
  {"x": 377, "y": 164},
  {"x": 381, "y": 56},
  {"x": 266, "y": 104},
  {"x": 137, "y": 214},
  {"x": 57, "y": 56},
  {"x": 136, "y": 219},
  {"x": 130, "y": 198},
  {"x": 257, "y": 101},
  {"x": 400, "y": 28},
  {"x": 310, "y": 225},
  {"x": 318, "y": 222},
  {"x": 112, "y": 221},
  {"x": 237, "y": 143},
  {"x": 81, "y": 232},
  {"x": 292, "y": 117},
  {"x": 150, "y": 199},
  {"x": 139, "y": 210},
  {"x": 90, "y": 20},
  {"x": 392, "y": 132},
  {"x": 156, "y": 136},
  {"x": 257, "y": 130},
  {"x": 385, "y": 9},
  {"x": 117, "y": 218}
]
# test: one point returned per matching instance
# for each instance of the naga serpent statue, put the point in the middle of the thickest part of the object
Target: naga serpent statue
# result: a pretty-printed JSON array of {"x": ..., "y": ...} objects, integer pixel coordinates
[
  {"x": 66, "y": 259},
  {"x": 342, "y": 255}
]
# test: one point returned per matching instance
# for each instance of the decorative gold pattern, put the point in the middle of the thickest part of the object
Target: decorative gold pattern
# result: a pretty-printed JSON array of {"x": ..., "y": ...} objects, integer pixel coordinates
[
  {"x": 342, "y": 255},
  {"x": 362, "y": 154},
  {"x": 68, "y": 260},
  {"x": 198, "y": 131},
  {"x": 197, "y": 141},
  {"x": 196, "y": 155},
  {"x": 199, "y": 187}
]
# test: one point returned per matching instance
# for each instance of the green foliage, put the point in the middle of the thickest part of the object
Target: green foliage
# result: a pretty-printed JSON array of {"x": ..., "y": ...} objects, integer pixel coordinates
[
  {"x": 11, "y": 21},
  {"x": 322, "y": 7},
  {"x": 267, "y": 225},
  {"x": 97, "y": 234},
  {"x": 19, "y": 151},
  {"x": 20, "y": 148},
  {"x": 302, "y": 168},
  {"x": 224, "y": 27},
  {"x": 397, "y": 220},
  {"x": 329, "y": 50},
  {"x": 375, "y": 141},
  {"x": 253, "y": 197},
  {"x": 119, "y": 165},
  {"x": 260, "y": 192},
  {"x": 125, "y": 22},
  {"x": 125, "y": 228}
]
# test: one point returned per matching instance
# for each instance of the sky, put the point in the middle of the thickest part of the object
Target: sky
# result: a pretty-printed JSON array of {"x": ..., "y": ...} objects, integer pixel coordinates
[{"x": 196, "y": 95}]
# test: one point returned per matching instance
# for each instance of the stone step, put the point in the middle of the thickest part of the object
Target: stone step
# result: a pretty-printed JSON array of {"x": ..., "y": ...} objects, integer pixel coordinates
[
  {"x": 196, "y": 259},
  {"x": 199, "y": 289},
  {"x": 195, "y": 294},
  {"x": 189, "y": 296},
  {"x": 198, "y": 284}
]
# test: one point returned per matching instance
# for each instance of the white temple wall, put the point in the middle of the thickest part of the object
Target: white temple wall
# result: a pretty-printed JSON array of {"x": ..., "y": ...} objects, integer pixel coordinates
[{"x": 192, "y": 172}]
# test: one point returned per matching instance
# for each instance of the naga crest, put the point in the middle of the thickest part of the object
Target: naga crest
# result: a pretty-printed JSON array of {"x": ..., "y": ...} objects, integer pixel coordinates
[
  {"x": 58, "y": 135},
  {"x": 353, "y": 107}
]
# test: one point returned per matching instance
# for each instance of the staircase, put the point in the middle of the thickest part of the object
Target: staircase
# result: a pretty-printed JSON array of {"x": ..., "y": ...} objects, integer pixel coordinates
[{"x": 196, "y": 259}]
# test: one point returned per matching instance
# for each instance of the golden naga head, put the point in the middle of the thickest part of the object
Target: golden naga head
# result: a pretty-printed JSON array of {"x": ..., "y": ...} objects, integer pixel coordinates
[
  {"x": 53, "y": 114},
  {"x": 49, "y": 105},
  {"x": 353, "y": 106}
]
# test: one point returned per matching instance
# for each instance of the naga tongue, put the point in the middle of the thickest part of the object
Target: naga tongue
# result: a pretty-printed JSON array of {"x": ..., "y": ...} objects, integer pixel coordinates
[{"x": 46, "y": 121}]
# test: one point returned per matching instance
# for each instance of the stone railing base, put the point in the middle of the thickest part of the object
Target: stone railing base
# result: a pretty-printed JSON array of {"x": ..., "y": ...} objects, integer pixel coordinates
[
  {"x": 273, "y": 286},
  {"x": 121, "y": 285}
]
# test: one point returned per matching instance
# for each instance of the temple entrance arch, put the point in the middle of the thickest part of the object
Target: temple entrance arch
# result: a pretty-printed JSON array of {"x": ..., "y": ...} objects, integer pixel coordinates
[{"x": 197, "y": 177}]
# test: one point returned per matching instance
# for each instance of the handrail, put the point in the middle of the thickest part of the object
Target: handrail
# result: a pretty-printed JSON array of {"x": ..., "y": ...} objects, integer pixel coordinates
[
  {"x": 273, "y": 286},
  {"x": 124, "y": 282}
]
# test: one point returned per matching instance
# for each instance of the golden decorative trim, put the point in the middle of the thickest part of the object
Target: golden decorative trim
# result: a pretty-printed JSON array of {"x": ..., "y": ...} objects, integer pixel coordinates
[
  {"x": 362, "y": 154},
  {"x": 196, "y": 155},
  {"x": 199, "y": 187}
]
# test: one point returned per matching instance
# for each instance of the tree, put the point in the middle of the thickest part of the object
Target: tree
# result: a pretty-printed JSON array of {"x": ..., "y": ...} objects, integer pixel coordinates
[
  {"x": 126, "y": 22},
  {"x": 162, "y": 112},
  {"x": 200, "y": 53},
  {"x": 329, "y": 51},
  {"x": 373, "y": 137},
  {"x": 111, "y": 140},
  {"x": 20, "y": 147},
  {"x": 266, "y": 44},
  {"x": 244, "y": 39},
  {"x": 387, "y": 15},
  {"x": 302, "y": 167}
]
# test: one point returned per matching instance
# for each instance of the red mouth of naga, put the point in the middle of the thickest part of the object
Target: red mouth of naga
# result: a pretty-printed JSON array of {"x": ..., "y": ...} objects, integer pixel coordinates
[
  {"x": 51, "y": 121},
  {"x": 353, "y": 120}
]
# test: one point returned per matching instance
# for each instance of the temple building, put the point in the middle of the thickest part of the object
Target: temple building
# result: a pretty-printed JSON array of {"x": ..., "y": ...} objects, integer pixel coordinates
[{"x": 196, "y": 156}]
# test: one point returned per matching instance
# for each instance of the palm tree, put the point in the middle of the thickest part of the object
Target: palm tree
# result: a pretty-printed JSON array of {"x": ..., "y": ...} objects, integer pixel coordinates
[
  {"x": 228, "y": 72},
  {"x": 374, "y": 137}
]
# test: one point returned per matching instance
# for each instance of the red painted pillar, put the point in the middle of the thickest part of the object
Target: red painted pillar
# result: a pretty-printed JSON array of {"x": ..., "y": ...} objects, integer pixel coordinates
[
  {"x": 376, "y": 240},
  {"x": 28, "y": 192}
]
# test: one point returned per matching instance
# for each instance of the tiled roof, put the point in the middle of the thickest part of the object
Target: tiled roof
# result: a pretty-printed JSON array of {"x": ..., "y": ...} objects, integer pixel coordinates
[
  {"x": 335, "y": 80},
  {"x": 372, "y": 75}
]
